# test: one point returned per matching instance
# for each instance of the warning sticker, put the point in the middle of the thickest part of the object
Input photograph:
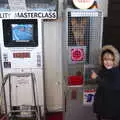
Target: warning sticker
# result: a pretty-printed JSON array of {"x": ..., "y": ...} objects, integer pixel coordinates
[{"x": 77, "y": 54}]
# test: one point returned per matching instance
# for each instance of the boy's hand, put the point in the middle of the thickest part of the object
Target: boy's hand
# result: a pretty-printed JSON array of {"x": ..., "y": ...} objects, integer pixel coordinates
[{"x": 93, "y": 75}]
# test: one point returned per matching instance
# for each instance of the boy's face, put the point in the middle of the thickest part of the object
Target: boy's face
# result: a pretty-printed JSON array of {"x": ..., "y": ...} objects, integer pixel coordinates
[{"x": 108, "y": 60}]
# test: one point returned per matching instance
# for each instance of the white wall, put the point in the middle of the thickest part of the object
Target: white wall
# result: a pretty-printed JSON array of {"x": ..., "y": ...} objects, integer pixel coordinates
[
  {"x": 53, "y": 62},
  {"x": 103, "y": 5},
  {"x": 53, "y": 65}
]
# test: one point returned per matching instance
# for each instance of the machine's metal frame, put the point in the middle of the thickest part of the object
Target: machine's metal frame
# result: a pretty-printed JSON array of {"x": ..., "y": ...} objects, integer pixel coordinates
[
  {"x": 74, "y": 108},
  {"x": 37, "y": 109}
]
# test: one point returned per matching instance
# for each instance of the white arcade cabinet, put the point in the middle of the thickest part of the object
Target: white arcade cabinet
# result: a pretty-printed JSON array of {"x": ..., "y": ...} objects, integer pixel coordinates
[{"x": 22, "y": 64}]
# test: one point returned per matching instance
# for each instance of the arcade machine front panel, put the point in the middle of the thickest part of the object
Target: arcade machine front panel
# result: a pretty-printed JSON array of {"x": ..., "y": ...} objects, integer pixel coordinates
[{"x": 82, "y": 42}]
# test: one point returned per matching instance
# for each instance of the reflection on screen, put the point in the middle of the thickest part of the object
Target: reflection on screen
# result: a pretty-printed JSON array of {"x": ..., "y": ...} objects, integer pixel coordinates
[{"x": 22, "y": 32}]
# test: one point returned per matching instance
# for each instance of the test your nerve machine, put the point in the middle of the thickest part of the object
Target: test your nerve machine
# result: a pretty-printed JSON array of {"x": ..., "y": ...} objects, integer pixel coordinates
[{"x": 22, "y": 66}]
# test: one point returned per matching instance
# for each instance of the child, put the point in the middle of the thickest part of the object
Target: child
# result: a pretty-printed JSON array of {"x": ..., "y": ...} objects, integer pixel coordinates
[{"x": 107, "y": 98}]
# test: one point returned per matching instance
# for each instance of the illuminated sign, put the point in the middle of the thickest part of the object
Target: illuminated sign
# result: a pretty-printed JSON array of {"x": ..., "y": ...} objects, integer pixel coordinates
[{"x": 83, "y": 4}]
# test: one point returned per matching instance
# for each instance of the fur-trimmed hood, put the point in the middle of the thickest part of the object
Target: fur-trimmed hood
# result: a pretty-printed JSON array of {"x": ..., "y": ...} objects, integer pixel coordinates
[{"x": 115, "y": 53}]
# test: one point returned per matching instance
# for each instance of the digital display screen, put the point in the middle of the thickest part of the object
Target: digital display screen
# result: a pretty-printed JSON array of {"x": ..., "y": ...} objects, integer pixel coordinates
[
  {"x": 22, "y": 32},
  {"x": 21, "y": 55}
]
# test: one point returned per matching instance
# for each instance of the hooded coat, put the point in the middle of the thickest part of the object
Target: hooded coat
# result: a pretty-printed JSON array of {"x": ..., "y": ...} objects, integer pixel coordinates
[{"x": 107, "y": 97}]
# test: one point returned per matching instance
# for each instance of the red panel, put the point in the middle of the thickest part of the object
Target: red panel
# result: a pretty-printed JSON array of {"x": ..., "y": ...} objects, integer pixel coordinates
[{"x": 75, "y": 80}]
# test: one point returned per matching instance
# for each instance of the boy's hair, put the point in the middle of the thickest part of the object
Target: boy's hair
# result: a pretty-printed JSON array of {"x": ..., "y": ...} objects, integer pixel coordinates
[{"x": 106, "y": 52}]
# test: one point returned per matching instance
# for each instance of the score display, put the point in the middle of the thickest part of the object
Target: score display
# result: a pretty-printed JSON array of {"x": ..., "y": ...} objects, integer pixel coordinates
[{"x": 21, "y": 55}]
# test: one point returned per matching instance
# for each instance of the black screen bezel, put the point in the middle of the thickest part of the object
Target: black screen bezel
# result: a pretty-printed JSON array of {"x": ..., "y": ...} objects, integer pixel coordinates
[{"x": 7, "y": 33}]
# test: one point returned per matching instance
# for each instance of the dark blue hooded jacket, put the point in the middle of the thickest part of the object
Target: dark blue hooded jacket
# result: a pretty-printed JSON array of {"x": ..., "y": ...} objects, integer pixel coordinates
[{"x": 107, "y": 97}]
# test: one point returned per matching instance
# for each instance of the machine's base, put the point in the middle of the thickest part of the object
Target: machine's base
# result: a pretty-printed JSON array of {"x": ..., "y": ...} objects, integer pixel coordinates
[{"x": 25, "y": 113}]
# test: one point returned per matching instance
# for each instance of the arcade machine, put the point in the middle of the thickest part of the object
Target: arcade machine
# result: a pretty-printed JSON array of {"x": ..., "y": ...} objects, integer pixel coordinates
[
  {"x": 82, "y": 42},
  {"x": 22, "y": 82}
]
